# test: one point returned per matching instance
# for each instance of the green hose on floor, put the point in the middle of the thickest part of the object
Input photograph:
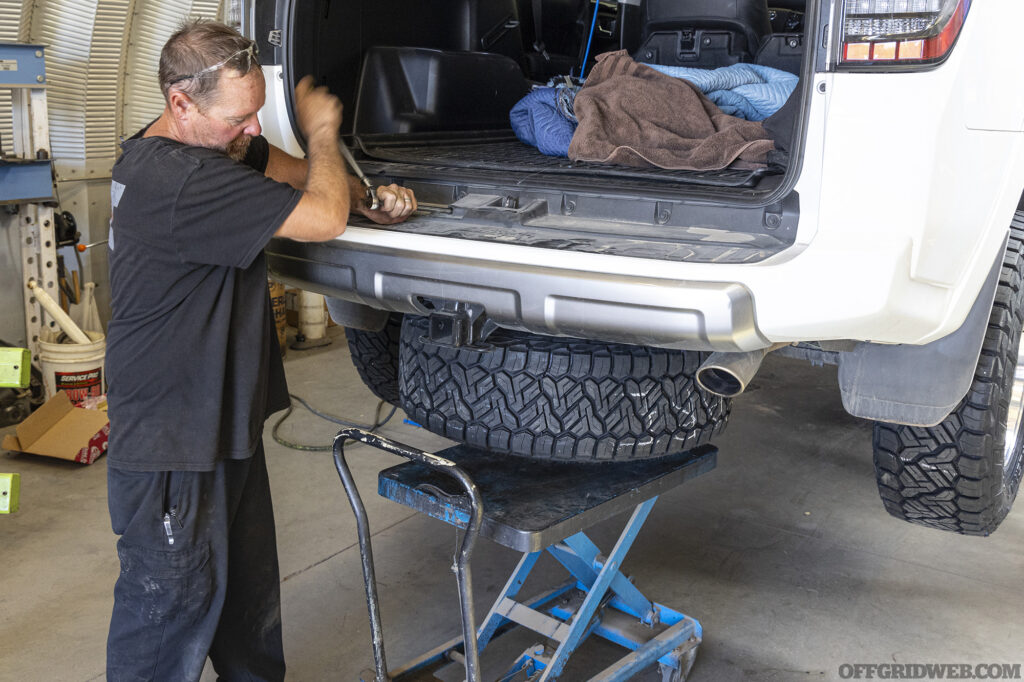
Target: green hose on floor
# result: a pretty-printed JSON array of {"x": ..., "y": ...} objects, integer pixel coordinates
[{"x": 377, "y": 423}]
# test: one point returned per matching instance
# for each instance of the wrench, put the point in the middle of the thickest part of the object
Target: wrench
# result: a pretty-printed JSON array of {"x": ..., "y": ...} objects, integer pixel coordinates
[{"x": 371, "y": 191}]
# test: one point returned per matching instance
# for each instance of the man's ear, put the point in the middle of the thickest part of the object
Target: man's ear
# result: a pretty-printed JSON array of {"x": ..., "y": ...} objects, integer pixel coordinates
[{"x": 179, "y": 104}]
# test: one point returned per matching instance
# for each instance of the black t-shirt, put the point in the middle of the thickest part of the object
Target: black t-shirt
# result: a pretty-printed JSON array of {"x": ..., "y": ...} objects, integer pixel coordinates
[{"x": 193, "y": 363}]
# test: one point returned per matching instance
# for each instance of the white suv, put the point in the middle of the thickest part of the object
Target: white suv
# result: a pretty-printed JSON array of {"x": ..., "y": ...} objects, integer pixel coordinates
[{"x": 583, "y": 311}]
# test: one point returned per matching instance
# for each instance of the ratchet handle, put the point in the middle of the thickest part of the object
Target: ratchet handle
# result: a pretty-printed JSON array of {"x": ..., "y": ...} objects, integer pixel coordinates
[{"x": 371, "y": 193}]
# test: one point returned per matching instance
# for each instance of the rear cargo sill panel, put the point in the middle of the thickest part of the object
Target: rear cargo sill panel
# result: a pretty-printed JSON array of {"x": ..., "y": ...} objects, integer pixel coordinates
[
  {"x": 627, "y": 309},
  {"x": 689, "y": 245}
]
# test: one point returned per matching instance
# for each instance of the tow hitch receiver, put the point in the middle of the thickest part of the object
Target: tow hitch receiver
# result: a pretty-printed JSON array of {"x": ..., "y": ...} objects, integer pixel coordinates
[{"x": 456, "y": 324}]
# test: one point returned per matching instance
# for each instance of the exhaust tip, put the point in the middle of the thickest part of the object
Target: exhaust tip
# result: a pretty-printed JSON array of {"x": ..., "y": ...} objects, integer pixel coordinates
[{"x": 720, "y": 381}]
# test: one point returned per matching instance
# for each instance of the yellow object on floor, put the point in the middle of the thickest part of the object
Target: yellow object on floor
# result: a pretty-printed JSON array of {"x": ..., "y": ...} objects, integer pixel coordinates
[
  {"x": 15, "y": 368},
  {"x": 10, "y": 485}
]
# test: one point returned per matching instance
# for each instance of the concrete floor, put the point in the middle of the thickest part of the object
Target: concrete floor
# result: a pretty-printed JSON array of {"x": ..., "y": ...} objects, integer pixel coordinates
[{"x": 783, "y": 552}]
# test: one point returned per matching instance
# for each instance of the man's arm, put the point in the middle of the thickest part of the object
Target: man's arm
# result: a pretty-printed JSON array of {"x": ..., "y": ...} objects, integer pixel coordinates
[
  {"x": 322, "y": 212},
  {"x": 284, "y": 167},
  {"x": 396, "y": 203}
]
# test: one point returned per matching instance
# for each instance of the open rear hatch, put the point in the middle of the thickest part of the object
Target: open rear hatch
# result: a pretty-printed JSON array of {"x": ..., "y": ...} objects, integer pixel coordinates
[{"x": 428, "y": 86}]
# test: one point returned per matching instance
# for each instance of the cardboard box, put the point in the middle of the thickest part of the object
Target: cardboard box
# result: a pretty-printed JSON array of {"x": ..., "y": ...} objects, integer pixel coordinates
[
  {"x": 278, "y": 306},
  {"x": 291, "y": 307},
  {"x": 59, "y": 429}
]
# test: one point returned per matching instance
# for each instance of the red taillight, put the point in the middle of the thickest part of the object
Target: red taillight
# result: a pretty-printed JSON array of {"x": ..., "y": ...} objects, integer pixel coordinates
[{"x": 884, "y": 32}]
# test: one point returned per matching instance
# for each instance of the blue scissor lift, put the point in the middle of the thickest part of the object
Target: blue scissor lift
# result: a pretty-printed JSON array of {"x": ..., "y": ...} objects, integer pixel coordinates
[{"x": 536, "y": 507}]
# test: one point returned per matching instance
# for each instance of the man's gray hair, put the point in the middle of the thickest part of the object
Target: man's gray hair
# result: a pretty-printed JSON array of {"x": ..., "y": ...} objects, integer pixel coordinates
[{"x": 197, "y": 45}]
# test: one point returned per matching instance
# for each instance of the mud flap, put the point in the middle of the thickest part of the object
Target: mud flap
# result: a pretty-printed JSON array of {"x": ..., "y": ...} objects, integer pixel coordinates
[{"x": 917, "y": 385}]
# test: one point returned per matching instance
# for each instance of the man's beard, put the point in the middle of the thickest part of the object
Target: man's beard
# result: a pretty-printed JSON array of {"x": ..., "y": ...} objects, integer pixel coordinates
[{"x": 237, "y": 148}]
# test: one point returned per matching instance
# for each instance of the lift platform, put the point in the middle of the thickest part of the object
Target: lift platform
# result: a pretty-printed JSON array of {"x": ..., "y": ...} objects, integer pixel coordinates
[{"x": 535, "y": 507}]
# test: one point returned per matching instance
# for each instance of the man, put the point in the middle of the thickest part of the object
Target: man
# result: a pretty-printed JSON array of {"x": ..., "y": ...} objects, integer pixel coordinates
[{"x": 193, "y": 362}]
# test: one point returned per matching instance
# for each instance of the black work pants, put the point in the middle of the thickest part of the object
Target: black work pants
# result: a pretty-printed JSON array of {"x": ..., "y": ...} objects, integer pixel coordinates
[{"x": 199, "y": 574}]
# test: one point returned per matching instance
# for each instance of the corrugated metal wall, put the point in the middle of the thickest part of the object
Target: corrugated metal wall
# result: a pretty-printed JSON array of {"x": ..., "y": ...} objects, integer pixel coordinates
[
  {"x": 101, "y": 61},
  {"x": 65, "y": 27},
  {"x": 153, "y": 23},
  {"x": 99, "y": 53},
  {"x": 10, "y": 26},
  {"x": 108, "y": 44}
]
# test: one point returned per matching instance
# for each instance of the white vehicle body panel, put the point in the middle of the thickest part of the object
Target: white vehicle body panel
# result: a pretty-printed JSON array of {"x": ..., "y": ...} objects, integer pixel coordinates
[
  {"x": 907, "y": 187},
  {"x": 277, "y": 127}
]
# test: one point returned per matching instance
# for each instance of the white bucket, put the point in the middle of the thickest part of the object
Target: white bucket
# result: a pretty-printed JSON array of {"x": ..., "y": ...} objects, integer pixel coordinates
[{"x": 76, "y": 368}]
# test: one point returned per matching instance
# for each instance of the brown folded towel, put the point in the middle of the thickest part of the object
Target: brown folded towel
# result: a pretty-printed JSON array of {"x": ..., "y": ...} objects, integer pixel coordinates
[{"x": 633, "y": 115}]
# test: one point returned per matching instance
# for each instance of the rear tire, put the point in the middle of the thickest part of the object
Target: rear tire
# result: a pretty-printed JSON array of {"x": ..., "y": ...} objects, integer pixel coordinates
[
  {"x": 375, "y": 355},
  {"x": 960, "y": 476},
  {"x": 553, "y": 398}
]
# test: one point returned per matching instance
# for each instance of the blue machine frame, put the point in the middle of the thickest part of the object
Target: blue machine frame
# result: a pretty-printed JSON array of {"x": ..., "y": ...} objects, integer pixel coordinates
[
  {"x": 23, "y": 66},
  {"x": 25, "y": 181}
]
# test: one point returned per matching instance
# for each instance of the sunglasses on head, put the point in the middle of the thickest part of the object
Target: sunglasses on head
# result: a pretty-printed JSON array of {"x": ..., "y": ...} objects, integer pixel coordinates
[{"x": 249, "y": 54}]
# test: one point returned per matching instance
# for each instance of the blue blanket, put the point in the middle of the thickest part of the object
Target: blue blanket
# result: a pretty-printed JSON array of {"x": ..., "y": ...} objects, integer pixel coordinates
[
  {"x": 540, "y": 122},
  {"x": 544, "y": 118},
  {"x": 748, "y": 91}
]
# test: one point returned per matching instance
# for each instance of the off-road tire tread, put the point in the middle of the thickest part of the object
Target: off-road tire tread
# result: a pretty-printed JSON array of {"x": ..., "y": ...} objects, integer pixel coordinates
[
  {"x": 558, "y": 399},
  {"x": 952, "y": 476},
  {"x": 375, "y": 356}
]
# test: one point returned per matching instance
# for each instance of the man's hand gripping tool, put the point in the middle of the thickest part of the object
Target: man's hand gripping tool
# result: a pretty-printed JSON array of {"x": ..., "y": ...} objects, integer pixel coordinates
[{"x": 371, "y": 191}]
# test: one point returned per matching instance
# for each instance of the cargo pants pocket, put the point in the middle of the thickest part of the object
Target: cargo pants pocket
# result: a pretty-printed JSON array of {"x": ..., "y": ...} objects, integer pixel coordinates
[{"x": 163, "y": 586}]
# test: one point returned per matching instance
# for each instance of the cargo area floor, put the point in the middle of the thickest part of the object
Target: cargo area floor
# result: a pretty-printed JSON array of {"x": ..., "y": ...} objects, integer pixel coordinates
[{"x": 506, "y": 154}]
